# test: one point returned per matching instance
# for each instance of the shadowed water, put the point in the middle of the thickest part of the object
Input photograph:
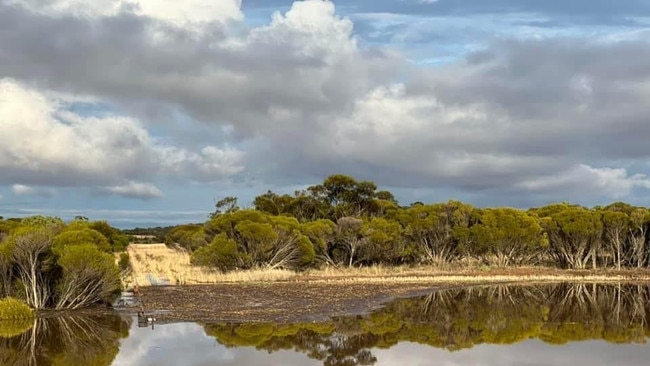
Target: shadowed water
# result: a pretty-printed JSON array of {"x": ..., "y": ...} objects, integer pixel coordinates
[{"x": 497, "y": 325}]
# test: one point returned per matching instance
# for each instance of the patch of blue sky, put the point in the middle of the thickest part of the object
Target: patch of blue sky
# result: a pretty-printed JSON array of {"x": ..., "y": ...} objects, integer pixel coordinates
[
  {"x": 91, "y": 109},
  {"x": 436, "y": 39}
]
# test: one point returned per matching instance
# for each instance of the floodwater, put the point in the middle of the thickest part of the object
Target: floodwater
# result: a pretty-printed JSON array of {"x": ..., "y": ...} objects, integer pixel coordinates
[{"x": 588, "y": 324}]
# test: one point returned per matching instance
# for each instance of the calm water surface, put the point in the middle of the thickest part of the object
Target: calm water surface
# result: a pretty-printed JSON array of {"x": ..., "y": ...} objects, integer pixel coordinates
[{"x": 500, "y": 325}]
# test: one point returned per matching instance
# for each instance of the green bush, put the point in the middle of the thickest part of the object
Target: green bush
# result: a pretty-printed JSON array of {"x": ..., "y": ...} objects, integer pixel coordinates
[
  {"x": 124, "y": 263},
  {"x": 12, "y": 309},
  {"x": 220, "y": 253}
]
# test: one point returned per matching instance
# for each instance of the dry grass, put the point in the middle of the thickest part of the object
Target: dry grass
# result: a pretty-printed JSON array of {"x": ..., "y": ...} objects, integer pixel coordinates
[
  {"x": 156, "y": 264},
  {"x": 470, "y": 275}
]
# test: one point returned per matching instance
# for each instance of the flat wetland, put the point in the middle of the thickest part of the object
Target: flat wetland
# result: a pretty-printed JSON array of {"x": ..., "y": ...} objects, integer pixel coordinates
[{"x": 318, "y": 297}]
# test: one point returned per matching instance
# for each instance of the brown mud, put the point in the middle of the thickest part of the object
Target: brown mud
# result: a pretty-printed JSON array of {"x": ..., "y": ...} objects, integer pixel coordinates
[
  {"x": 280, "y": 302},
  {"x": 313, "y": 299}
]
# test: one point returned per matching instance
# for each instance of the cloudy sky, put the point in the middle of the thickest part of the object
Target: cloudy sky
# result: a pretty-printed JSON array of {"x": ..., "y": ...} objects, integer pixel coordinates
[
  {"x": 187, "y": 344},
  {"x": 147, "y": 111}
]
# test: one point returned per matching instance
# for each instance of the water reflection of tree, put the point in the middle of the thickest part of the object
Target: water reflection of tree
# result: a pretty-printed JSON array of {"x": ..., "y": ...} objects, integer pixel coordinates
[
  {"x": 66, "y": 340},
  {"x": 460, "y": 318}
]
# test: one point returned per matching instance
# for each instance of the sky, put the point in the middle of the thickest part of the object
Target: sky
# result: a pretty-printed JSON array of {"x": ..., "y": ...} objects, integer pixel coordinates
[
  {"x": 147, "y": 112},
  {"x": 187, "y": 344}
]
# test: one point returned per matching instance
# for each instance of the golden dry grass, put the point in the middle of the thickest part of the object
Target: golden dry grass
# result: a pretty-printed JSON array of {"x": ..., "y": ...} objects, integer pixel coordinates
[{"x": 155, "y": 264}]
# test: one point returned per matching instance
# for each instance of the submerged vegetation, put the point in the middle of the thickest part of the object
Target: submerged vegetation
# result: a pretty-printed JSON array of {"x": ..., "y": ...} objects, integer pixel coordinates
[{"x": 51, "y": 264}]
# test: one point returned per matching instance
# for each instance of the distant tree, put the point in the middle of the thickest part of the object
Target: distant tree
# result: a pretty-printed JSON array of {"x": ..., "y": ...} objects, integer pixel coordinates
[
  {"x": 273, "y": 203},
  {"x": 225, "y": 205}
]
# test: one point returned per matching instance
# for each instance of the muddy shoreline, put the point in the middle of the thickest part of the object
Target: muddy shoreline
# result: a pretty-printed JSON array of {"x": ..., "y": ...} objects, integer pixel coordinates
[
  {"x": 314, "y": 300},
  {"x": 272, "y": 302}
]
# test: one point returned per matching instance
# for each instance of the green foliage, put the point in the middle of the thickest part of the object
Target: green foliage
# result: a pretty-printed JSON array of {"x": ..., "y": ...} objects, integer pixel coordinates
[
  {"x": 305, "y": 253},
  {"x": 79, "y": 237},
  {"x": 321, "y": 233},
  {"x": 221, "y": 253},
  {"x": 88, "y": 276},
  {"x": 383, "y": 241},
  {"x": 575, "y": 234},
  {"x": 12, "y": 309},
  {"x": 225, "y": 205},
  {"x": 124, "y": 263},
  {"x": 190, "y": 237},
  {"x": 42, "y": 221},
  {"x": 50, "y": 264},
  {"x": 508, "y": 235},
  {"x": 117, "y": 240}
]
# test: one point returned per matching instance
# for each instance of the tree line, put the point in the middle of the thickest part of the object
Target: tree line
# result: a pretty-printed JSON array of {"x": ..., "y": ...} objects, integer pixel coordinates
[
  {"x": 51, "y": 264},
  {"x": 345, "y": 222}
]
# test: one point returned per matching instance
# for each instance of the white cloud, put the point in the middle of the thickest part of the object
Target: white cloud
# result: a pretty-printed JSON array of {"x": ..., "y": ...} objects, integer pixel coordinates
[
  {"x": 136, "y": 190},
  {"x": 582, "y": 178},
  {"x": 303, "y": 99},
  {"x": 180, "y": 13},
  {"x": 23, "y": 190},
  {"x": 43, "y": 143}
]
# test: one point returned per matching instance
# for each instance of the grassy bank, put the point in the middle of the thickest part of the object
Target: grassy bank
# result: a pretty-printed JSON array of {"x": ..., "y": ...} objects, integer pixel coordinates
[{"x": 156, "y": 264}]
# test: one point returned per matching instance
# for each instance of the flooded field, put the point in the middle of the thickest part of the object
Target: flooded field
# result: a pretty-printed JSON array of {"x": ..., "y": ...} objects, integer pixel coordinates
[{"x": 560, "y": 324}]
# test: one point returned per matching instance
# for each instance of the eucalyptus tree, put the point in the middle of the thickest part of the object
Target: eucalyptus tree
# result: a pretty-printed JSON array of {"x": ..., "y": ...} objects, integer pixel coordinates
[
  {"x": 190, "y": 236},
  {"x": 430, "y": 229},
  {"x": 616, "y": 226},
  {"x": 574, "y": 234},
  {"x": 58, "y": 265},
  {"x": 638, "y": 233},
  {"x": 508, "y": 236},
  {"x": 88, "y": 276},
  {"x": 262, "y": 240},
  {"x": 274, "y": 204},
  {"x": 31, "y": 249},
  {"x": 322, "y": 233},
  {"x": 348, "y": 232},
  {"x": 382, "y": 242}
]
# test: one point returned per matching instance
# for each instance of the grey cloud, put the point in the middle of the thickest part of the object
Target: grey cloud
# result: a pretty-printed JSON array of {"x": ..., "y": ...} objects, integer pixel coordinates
[
  {"x": 281, "y": 69},
  {"x": 544, "y": 118},
  {"x": 303, "y": 100}
]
